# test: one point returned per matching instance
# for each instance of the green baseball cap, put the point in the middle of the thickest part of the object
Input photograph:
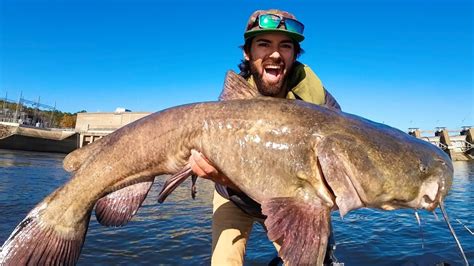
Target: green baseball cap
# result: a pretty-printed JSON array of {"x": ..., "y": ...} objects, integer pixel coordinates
[{"x": 273, "y": 20}]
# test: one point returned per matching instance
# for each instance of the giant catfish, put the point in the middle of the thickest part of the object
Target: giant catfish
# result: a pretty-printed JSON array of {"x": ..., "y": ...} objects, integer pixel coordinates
[{"x": 298, "y": 160}]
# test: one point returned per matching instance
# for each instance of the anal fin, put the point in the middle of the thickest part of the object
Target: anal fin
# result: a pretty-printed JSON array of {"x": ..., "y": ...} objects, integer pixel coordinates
[
  {"x": 300, "y": 226},
  {"x": 118, "y": 207}
]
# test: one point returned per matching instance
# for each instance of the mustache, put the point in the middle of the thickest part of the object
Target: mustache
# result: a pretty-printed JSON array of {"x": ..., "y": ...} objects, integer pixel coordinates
[{"x": 277, "y": 61}]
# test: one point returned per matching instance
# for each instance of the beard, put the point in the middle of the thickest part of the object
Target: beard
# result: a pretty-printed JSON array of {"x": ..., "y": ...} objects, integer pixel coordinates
[{"x": 265, "y": 88}]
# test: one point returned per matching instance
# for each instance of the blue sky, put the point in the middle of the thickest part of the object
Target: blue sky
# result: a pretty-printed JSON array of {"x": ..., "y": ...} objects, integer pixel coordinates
[{"x": 405, "y": 63}]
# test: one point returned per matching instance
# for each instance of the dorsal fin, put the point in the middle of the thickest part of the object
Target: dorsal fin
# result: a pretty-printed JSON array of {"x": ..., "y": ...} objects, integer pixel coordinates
[{"x": 236, "y": 87}]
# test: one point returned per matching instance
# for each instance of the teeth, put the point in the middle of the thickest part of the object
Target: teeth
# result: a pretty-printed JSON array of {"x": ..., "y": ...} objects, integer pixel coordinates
[{"x": 273, "y": 67}]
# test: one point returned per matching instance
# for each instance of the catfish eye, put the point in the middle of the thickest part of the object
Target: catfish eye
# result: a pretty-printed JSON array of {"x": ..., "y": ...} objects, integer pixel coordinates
[{"x": 423, "y": 168}]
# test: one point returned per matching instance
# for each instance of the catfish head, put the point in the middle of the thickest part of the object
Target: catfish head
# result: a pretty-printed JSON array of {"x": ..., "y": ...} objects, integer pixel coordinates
[{"x": 383, "y": 168}]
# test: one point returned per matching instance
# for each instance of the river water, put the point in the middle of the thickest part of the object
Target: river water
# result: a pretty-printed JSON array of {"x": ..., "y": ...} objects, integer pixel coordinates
[{"x": 178, "y": 232}]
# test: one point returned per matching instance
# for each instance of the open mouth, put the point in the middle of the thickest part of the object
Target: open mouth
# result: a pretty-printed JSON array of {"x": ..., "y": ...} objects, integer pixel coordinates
[{"x": 272, "y": 73}]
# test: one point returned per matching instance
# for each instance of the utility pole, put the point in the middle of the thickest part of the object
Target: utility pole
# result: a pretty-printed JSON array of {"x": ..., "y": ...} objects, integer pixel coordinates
[
  {"x": 51, "y": 116},
  {"x": 36, "y": 113},
  {"x": 5, "y": 101},
  {"x": 18, "y": 106}
]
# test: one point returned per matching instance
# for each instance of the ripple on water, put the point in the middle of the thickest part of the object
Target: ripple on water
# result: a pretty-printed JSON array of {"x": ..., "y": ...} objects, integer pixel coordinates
[{"x": 178, "y": 232}]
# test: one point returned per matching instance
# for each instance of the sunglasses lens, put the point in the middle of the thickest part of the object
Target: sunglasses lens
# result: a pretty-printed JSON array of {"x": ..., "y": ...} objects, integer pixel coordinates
[
  {"x": 294, "y": 26},
  {"x": 268, "y": 21}
]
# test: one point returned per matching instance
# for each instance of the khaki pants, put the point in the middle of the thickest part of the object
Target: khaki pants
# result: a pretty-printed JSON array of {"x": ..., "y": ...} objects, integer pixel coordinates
[{"x": 231, "y": 228}]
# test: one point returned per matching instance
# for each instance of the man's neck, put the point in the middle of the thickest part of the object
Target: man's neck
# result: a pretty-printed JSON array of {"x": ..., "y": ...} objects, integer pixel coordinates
[{"x": 283, "y": 92}]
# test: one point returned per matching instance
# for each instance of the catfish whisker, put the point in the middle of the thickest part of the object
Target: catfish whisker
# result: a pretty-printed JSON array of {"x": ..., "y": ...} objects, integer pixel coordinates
[
  {"x": 469, "y": 230},
  {"x": 435, "y": 215},
  {"x": 421, "y": 229},
  {"x": 445, "y": 215}
]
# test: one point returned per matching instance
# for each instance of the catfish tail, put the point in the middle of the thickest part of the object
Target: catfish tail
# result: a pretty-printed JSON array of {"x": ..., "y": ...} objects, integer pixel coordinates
[{"x": 35, "y": 242}]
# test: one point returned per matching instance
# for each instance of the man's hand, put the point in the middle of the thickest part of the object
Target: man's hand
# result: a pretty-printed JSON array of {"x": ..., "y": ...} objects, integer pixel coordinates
[{"x": 203, "y": 168}]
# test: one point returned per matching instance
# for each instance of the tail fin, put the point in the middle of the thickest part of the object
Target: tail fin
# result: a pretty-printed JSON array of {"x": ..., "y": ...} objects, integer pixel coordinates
[{"x": 34, "y": 242}]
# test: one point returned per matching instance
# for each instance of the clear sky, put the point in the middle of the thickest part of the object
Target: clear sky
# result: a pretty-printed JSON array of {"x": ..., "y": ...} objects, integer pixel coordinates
[{"x": 405, "y": 63}]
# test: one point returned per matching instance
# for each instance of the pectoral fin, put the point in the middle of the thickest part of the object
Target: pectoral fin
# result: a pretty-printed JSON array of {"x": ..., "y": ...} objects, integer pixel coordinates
[
  {"x": 338, "y": 174},
  {"x": 301, "y": 226},
  {"x": 118, "y": 207}
]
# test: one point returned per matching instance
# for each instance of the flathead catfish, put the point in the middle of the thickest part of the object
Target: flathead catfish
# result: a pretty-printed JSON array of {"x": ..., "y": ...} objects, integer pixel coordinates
[{"x": 298, "y": 160}]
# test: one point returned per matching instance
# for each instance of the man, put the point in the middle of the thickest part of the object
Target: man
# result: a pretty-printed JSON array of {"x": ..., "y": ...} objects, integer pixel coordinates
[{"x": 272, "y": 45}]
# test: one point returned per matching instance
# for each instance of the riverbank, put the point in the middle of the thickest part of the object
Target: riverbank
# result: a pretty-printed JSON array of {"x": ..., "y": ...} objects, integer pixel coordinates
[{"x": 19, "y": 137}]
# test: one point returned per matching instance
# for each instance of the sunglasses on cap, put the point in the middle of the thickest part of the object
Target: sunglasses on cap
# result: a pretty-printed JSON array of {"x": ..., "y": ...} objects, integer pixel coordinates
[{"x": 272, "y": 21}]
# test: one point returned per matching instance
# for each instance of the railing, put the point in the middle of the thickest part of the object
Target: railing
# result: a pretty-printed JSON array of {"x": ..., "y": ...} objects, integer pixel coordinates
[{"x": 459, "y": 145}]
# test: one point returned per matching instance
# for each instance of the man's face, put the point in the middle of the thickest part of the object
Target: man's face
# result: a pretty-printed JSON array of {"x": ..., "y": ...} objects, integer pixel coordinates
[{"x": 271, "y": 57}]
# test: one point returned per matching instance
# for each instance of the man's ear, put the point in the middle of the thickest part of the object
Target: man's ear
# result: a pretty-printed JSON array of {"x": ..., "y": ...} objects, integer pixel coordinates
[{"x": 246, "y": 56}]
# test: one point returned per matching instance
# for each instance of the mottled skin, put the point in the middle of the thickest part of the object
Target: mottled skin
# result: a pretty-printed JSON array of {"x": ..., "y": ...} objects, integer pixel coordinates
[
  {"x": 269, "y": 148},
  {"x": 378, "y": 160}
]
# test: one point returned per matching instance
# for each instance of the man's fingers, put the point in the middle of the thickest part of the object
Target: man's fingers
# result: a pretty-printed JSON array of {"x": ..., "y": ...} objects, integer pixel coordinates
[
  {"x": 196, "y": 169},
  {"x": 203, "y": 168},
  {"x": 200, "y": 165}
]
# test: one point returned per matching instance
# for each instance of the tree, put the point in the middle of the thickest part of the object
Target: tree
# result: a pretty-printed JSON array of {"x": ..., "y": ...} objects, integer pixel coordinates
[{"x": 67, "y": 121}]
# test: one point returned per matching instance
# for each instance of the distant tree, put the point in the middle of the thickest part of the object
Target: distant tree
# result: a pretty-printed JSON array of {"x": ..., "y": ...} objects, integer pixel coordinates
[
  {"x": 52, "y": 118},
  {"x": 67, "y": 121}
]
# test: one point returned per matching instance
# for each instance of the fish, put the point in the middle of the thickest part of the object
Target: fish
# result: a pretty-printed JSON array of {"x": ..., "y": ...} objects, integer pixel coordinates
[{"x": 298, "y": 160}]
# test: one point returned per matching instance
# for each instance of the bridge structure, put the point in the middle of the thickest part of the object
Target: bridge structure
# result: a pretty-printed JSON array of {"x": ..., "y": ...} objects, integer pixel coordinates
[
  {"x": 458, "y": 144},
  {"x": 94, "y": 126}
]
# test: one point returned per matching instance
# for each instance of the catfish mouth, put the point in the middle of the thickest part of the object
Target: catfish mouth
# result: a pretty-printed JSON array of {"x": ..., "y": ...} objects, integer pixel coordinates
[
  {"x": 430, "y": 194},
  {"x": 432, "y": 191},
  {"x": 349, "y": 194}
]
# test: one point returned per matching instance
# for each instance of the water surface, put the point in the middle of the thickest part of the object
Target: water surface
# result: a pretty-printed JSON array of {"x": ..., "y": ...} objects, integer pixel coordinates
[{"x": 178, "y": 232}]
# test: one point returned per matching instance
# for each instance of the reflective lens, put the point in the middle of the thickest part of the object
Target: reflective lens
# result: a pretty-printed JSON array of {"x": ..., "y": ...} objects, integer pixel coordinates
[
  {"x": 294, "y": 26},
  {"x": 270, "y": 21}
]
